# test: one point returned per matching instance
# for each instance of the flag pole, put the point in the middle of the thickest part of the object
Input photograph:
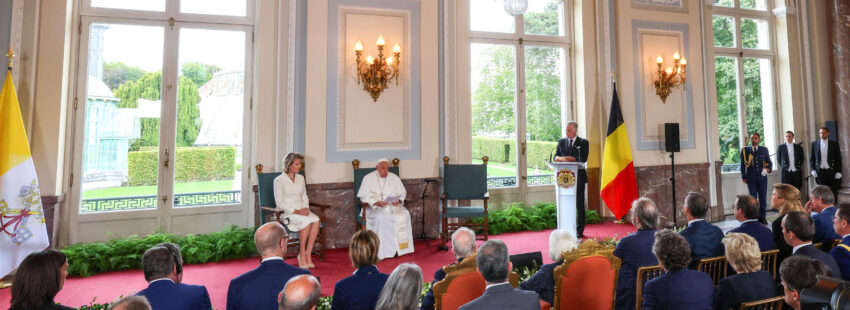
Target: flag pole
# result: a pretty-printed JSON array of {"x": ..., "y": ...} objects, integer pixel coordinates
[{"x": 10, "y": 55}]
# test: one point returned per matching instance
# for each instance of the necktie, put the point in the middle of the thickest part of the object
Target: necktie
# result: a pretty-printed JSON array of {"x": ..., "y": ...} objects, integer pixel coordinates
[{"x": 571, "y": 144}]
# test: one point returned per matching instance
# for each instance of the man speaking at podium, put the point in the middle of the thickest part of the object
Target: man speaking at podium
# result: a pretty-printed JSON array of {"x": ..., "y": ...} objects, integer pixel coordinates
[{"x": 574, "y": 149}]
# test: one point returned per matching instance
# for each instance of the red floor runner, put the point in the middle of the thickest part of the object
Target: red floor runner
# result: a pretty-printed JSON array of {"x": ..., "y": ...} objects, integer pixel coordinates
[{"x": 216, "y": 276}]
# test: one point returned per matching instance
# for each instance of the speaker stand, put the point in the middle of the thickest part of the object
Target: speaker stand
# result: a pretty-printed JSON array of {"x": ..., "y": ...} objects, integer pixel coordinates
[
  {"x": 424, "y": 236},
  {"x": 673, "y": 182}
]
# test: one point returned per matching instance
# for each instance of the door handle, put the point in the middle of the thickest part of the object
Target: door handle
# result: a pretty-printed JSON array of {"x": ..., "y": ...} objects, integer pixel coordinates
[
  {"x": 523, "y": 148},
  {"x": 165, "y": 162}
]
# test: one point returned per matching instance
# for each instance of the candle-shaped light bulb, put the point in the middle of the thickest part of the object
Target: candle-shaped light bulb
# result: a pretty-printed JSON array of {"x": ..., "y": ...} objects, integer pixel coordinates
[
  {"x": 380, "y": 41},
  {"x": 684, "y": 62},
  {"x": 358, "y": 47},
  {"x": 396, "y": 49},
  {"x": 370, "y": 60},
  {"x": 676, "y": 56},
  {"x": 669, "y": 70},
  {"x": 389, "y": 60},
  {"x": 659, "y": 59}
]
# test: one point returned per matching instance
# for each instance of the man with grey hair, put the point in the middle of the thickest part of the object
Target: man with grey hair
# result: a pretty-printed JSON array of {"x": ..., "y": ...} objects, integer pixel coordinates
[
  {"x": 747, "y": 212},
  {"x": 256, "y": 289},
  {"x": 163, "y": 269},
  {"x": 386, "y": 216},
  {"x": 301, "y": 292},
  {"x": 822, "y": 202},
  {"x": 635, "y": 251},
  {"x": 463, "y": 246},
  {"x": 131, "y": 303},
  {"x": 575, "y": 149},
  {"x": 705, "y": 240},
  {"x": 495, "y": 266}
]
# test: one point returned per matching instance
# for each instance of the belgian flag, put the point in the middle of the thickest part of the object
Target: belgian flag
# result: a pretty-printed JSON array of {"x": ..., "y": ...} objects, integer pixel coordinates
[{"x": 619, "y": 186}]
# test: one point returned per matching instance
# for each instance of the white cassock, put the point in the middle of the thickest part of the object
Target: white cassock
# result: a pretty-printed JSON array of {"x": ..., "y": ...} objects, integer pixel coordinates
[{"x": 391, "y": 223}]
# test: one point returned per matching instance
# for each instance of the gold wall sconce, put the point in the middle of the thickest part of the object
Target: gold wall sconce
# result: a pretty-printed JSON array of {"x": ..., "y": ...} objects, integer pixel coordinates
[
  {"x": 376, "y": 73},
  {"x": 670, "y": 77}
]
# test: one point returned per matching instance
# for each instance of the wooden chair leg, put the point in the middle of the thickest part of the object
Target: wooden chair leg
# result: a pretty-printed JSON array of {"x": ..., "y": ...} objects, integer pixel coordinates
[
  {"x": 486, "y": 227},
  {"x": 322, "y": 251},
  {"x": 445, "y": 233}
]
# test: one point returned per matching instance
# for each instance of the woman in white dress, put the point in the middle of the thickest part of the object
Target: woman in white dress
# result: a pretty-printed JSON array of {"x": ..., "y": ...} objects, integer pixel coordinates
[{"x": 290, "y": 194}]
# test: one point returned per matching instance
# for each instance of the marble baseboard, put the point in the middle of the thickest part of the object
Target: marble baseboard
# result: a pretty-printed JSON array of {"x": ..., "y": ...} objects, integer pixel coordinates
[{"x": 654, "y": 183}]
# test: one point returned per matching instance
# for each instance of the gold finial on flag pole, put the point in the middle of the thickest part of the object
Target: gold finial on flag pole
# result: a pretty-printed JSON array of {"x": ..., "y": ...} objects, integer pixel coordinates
[
  {"x": 10, "y": 55},
  {"x": 613, "y": 76}
]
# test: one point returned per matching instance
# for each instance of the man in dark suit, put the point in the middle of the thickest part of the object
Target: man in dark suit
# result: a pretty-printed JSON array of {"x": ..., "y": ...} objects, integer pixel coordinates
[
  {"x": 635, "y": 251},
  {"x": 747, "y": 212},
  {"x": 463, "y": 245},
  {"x": 495, "y": 265},
  {"x": 755, "y": 165},
  {"x": 798, "y": 230},
  {"x": 301, "y": 292},
  {"x": 163, "y": 269},
  {"x": 703, "y": 238},
  {"x": 679, "y": 288},
  {"x": 841, "y": 252},
  {"x": 822, "y": 202},
  {"x": 259, "y": 288},
  {"x": 789, "y": 156},
  {"x": 575, "y": 149},
  {"x": 826, "y": 169},
  {"x": 798, "y": 273}
]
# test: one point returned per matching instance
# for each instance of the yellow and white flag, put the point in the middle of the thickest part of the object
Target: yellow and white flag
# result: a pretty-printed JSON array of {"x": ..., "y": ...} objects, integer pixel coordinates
[{"x": 22, "y": 227}]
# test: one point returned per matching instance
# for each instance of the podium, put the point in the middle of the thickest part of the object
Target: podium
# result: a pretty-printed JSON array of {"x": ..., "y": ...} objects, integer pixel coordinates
[{"x": 566, "y": 179}]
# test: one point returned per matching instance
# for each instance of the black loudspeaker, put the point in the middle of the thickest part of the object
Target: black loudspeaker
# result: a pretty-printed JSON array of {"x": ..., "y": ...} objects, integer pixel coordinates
[{"x": 671, "y": 137}]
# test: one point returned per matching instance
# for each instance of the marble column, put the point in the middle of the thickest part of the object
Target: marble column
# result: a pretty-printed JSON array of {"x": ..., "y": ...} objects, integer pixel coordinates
[{"x": 839, "y": 13}]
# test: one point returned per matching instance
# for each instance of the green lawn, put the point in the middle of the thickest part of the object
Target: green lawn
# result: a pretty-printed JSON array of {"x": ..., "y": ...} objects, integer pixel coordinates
[
  {"x": 505, "y": 170},
  {"x": 179, "y": 188}
]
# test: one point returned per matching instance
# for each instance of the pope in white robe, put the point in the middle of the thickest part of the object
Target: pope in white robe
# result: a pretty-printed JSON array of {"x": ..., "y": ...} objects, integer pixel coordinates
[{"x": 386, "y": 215}]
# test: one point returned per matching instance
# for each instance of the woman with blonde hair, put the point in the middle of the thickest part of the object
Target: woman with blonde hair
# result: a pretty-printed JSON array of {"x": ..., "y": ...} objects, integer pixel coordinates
[
  {"x": 290, "y": 194},
  {"x": 751, "y": 283},
  {"x": 361, "y": 290},
  {"x": 785, "y": 198}
]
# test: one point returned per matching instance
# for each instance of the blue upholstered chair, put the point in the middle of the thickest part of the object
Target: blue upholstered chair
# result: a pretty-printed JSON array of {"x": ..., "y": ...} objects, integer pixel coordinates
[
  {"x": 464, "y": 182},
  {"x": 267, "y": 210},
  {"x": 359, "y": 173}
]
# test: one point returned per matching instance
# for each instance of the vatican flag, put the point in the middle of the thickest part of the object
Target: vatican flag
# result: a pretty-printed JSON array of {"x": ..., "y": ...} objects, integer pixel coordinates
[{"x": 22, "y": 227}]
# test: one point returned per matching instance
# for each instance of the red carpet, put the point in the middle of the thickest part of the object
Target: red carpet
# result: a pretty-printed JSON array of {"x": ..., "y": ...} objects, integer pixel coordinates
[{"x": 216, "y": 276}]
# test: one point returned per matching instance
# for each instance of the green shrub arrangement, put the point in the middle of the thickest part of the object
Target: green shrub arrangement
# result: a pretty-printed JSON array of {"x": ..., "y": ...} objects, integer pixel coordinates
[
  {"x": 592, "y": 217},
  {"x": 517, "y": 216},
  {"x": 195, "y": 164},
  {"x": 495, "y": 148},
  {"x": 86, "y": 259}
]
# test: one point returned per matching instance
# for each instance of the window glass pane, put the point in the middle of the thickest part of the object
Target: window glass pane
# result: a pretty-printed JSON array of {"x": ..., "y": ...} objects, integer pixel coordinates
[
  {"x": 758, "y": 94},
  {"x": 215, "y": 7},
  {"x": 545, "y": 85},
  {"x": 493, "y": 86},
  {"x": 754, "y": 33},
  {"x": 754, "y": 4},
  {"x": 210, "y": 102},
  {"x": 490, "y": 16},
  {"x": 140, "y": 5},
  {"x": 122, "y": 112},
  {"x": 724, "y": 30},
  {"x": 726, "y": 80},
  {"x": 726, "y": 3},
  {"x": 545, "y": 17}
]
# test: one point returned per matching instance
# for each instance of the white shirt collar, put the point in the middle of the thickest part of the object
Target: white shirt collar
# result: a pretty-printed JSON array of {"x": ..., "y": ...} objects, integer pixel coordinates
[
  {"x": 696, "y": 220},
  {"x": 845, "y": 236},
  {"x": 800, "y": 246},
  {"x": 495, "y": 284},
  {"x": 161, "y": 279},
  {"x": 749, "y": 220},
  {"x": 271, "y": 258}
]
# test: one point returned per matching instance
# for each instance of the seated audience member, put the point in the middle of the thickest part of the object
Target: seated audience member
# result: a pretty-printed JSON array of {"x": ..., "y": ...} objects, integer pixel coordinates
[
  {"x": 131, "y": 303},
  {"x": 39, "y": 278},
  {"x": 402, "y": 290},
  {"x": 163, "y": 269},
  {"x": 798, "y": 273},
  {"x": 747, "y": 212},
  {"x": 785, "y": 198},
  {"x": 635, "y": 251},
  {"x": 703, "y": 238},
  {"x": 495, "y": 266},
  {"x": 798, "y": 229},
  {"x": 841, "y": 253},
  {"x": 361, "y": 290},
  {"x": 258, "y": 289},
  {"x": 680, "y": 287},
  {"x": 301, "y": 292},
  {"x": 750, "y": 283},
  {"x": 386, "y": 215},
  {"x": 543, "y": 282},
  {"x": 822, "y": 201},
  {"x": 463, "y": 245}
]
